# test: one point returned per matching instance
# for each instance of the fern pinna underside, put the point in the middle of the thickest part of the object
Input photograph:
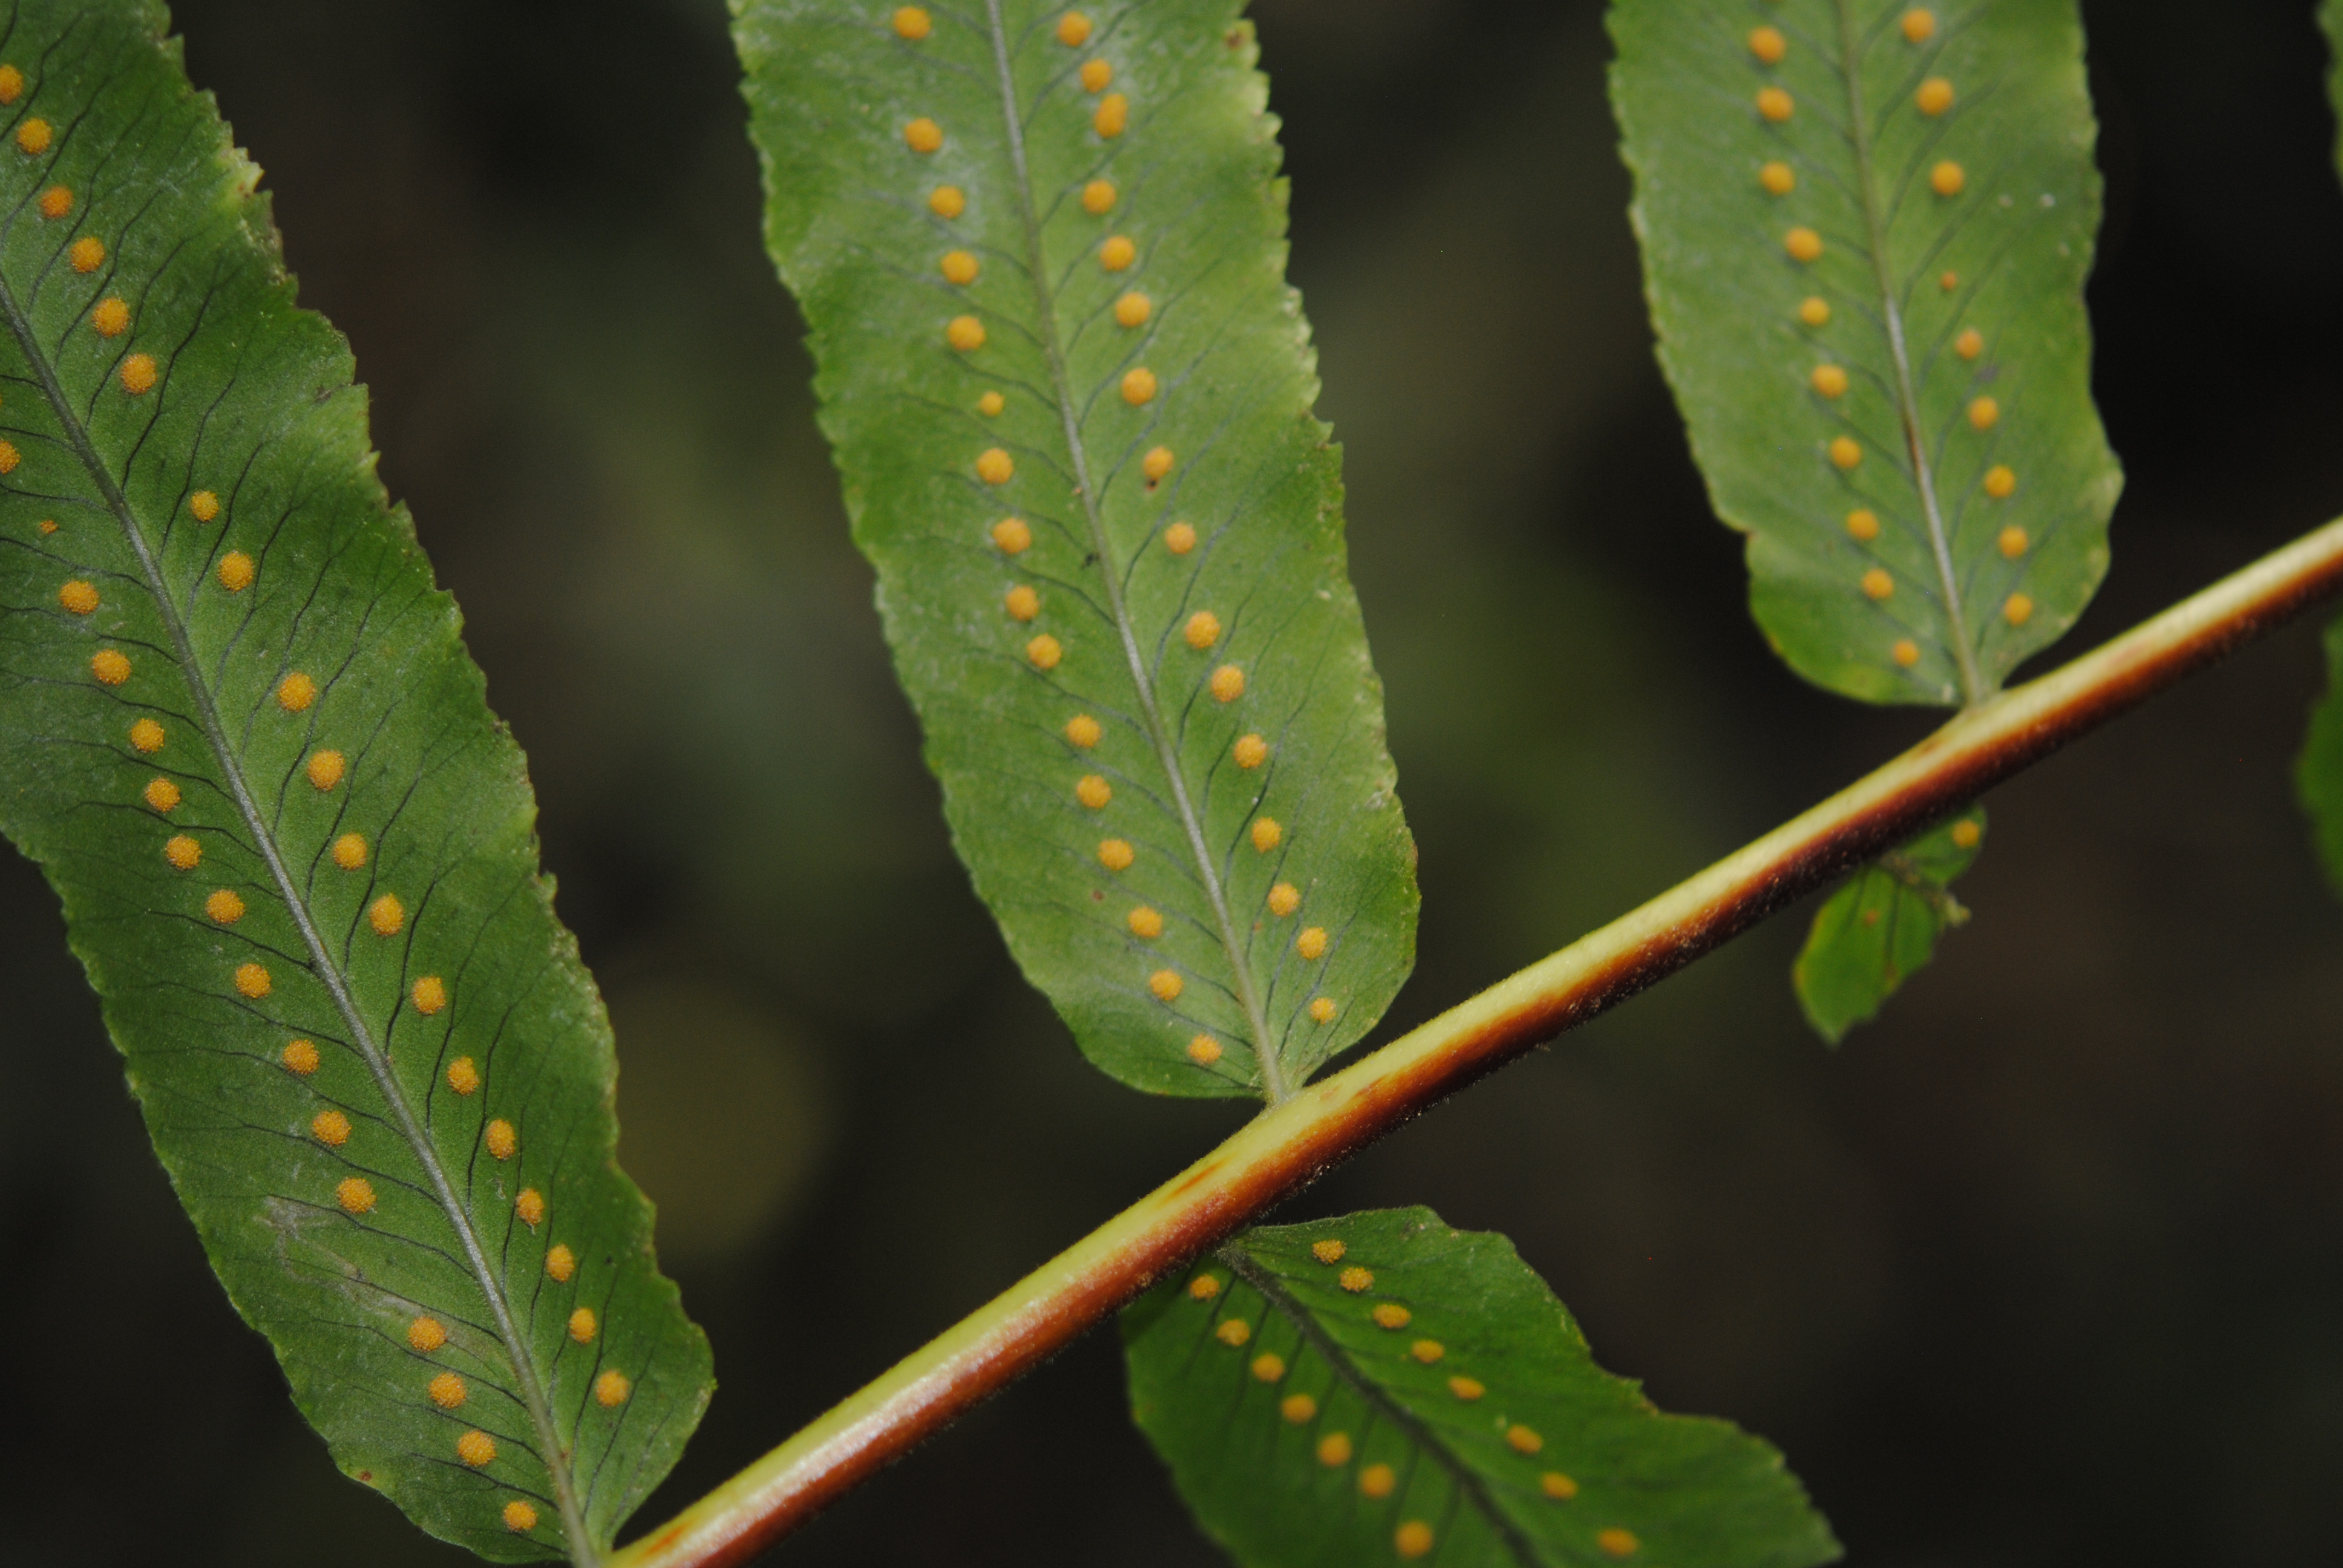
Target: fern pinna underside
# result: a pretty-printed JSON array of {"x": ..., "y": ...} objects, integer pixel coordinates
[
  {"x": 240, "y": 734},
  {"x": 1865, "y": 226},
  {"x": 1041, "y": 254}
]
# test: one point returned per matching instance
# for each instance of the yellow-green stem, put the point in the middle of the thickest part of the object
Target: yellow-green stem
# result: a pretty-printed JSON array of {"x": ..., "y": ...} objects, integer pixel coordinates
[{"x": 1289, "y": 1144}]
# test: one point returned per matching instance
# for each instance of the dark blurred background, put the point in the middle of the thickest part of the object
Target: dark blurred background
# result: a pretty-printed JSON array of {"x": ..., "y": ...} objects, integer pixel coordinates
[{"x": 2044, "y": 1268}]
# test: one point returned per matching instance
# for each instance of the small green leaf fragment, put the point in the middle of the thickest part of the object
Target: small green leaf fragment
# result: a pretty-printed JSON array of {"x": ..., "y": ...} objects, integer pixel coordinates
[
  {"x": 1872, "y": 934},
  {"x": 1381, "y": 1388},
  {"x": 2330, "y": 20},
  {"x": 2318, "y": 774}
]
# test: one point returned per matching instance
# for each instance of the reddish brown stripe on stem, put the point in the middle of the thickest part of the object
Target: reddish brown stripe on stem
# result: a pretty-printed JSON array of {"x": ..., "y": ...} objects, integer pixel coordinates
[{"x": 1285, "y": 1148}]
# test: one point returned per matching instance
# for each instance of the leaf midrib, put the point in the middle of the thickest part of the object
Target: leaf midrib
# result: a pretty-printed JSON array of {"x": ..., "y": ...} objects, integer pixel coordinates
[
  {"x": 1972, "y": 684},
  {"x": 1468, "y": 1482},
  {"x": 1272, "y": 1074},
  {"x": 581, "y": 1548}
]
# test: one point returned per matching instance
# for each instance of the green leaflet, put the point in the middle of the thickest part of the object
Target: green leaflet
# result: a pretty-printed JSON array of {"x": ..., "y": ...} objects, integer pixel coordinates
[
  {"x": 1866, "y": 227},
  {"x": 239, "y": 732},
  {"x": 1070, "y": 392},
  {"x": 1886, "y": 378},
  {"x": 1874, "y": 931},
  {"x": 2330, "y": 21},
  {"x": 1380, "y": 1384},
  {"x": 2318, "y": 774}
]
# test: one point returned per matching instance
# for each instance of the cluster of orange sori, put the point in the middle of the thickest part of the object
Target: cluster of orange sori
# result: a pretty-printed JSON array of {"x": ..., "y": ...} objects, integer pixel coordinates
[
  {"x": 966, "y": 335},
  {"x": 110, "y": 317},
  {"x": 1201, "y": 633},
  {"x": 427, "y": 1335},
  {"x": 1335, "y": 1450},
  {"x": 447, "y": 1389},
  {"x": 1935, "y": 97},
  {"x": 325, "y": 769}
]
